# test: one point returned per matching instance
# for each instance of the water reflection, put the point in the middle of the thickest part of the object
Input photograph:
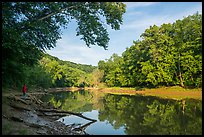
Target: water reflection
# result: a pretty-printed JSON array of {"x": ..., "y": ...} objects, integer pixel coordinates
[{"x": 130, "y": 115}]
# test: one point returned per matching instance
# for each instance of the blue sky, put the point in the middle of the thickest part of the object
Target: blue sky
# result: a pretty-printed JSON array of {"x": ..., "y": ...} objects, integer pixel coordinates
[{"x": 138, "y": 17}]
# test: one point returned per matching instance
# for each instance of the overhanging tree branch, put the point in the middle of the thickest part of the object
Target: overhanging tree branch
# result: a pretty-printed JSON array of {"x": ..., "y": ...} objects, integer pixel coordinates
[{"x": 51, "y": 14}]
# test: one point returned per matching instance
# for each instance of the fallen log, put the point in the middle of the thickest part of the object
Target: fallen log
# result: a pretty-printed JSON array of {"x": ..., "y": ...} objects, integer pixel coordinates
[
  {"x": 38, "y": 101},
  {"x": 19, "y": 107},
  {"x": 58, "y": 111},
  {"x": 38, "y": 93},
  {"x": 83, "y": 127},
  {"x": 18, "y": 99},
  {"x": 33, "y": 125},
  {"x": 17, "y": 119},
  {"x": 62, "y": 111},
  {"x": 55, "y": 114},
  {"x": 87, "y": 118}
]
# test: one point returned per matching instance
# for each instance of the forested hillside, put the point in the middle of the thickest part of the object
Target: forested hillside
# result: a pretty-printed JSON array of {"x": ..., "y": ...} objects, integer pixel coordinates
[
  {"x": 167, "y": 55},
  {"x": 84, "y": 67},
  {"x": 53, "y": 72},
  {"x": 65, "y": 73}
]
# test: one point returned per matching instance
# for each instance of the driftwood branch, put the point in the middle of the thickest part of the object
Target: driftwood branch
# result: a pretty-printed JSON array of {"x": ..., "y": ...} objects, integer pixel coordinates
[
  {"x": 62, "y": 111},
  {"x": 17, "y": 119},
  {"x": 58, "y": 111},
  {"x": 38, "y": 101},
  {"x": 18, "y": 99},
  {"x": 53, "y": 114},
  {"x": 83, "y": 127},
  {"x": 20, "y": 107},
  {"x": 87, "y": 118},
  {"x": 30, "y": 97},
  {"x": 40, "y": 93}
]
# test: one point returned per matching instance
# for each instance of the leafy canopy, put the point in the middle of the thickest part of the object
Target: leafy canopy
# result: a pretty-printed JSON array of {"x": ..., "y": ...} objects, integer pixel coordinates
[
  {"x": 39, "y": 23},
  {"x": 167, "y": 55},
  {"x": 29, "y": 28}
]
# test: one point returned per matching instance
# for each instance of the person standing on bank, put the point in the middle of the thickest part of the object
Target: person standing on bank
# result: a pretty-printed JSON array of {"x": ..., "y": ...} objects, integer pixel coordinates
[{"x": 24, "y": 89}]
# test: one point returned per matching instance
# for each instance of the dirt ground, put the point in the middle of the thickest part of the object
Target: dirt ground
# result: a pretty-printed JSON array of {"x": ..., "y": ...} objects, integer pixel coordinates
[{"x": 175, "y": 92}]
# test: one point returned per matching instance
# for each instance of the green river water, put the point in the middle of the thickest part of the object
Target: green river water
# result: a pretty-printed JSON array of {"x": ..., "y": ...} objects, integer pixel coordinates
[{"x": 129, "y": 114}]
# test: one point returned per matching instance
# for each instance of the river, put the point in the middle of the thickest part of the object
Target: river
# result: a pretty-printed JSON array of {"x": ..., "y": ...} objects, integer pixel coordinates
[{"x": 128, "y": 114}]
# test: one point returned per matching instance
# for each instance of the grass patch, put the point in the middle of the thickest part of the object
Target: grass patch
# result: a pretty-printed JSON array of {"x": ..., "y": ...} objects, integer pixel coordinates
[
  {"x": 6, "y": 128},
  {"x": 11, "y": 128},
  {"x": 23, "y": 132}
]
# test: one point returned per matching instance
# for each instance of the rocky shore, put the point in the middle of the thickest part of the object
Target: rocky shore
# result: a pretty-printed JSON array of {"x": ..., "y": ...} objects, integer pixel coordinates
[{"x": 23, "y": 116}]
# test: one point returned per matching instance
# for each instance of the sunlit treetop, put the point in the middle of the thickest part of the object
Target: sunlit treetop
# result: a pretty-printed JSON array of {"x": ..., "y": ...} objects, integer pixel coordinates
[{"x": 39, "y": 23}]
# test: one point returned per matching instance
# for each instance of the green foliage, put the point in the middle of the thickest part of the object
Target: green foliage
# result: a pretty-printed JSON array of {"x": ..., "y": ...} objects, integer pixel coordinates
[
  {"x": 112, "y": 71},
  {"x": 65, "y": 73},
  {"x": 94, "y": 79},
  {"x": 83, "y": 67},
  {"x": 29, "y": 28},
  {"x": 167, "y": 55},
  {"x": 71, "y": 101},
  {"x": 37, "y": 77}
]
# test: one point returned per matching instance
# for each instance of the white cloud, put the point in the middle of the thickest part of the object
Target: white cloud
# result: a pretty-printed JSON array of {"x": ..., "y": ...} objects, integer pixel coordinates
[
  {"x": 146, "y": 21},
  {"x": 73, "y": 49},
  {"x": 76, "y": 51}
]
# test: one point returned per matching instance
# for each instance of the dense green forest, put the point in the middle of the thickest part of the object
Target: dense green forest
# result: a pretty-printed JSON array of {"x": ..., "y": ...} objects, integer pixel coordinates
[
  {"x": 53, "y": 72},
  {"x": 167, "y": 55},
  {"x": 29, "y": 28},
  {"x": 57, "y": 73}
]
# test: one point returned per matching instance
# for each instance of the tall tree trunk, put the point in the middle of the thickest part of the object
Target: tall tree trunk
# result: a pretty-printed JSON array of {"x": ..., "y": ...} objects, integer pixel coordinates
[
  {"x": 181, "y": 79},
  {"x": 180, "y": 74}
]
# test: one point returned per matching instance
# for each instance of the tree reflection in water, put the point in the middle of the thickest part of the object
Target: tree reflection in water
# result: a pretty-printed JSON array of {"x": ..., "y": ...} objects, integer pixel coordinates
[{"x": 135, "y": 114}]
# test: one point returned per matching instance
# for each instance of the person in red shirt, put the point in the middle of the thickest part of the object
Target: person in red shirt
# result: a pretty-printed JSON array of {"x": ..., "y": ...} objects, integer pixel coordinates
[{"x": 24, "y": 89}]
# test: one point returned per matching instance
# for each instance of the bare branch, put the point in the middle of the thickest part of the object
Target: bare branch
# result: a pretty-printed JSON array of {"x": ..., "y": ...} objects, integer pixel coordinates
[
  {"x": 53, "y": 13},
  {"x": 62, "y": 111}
]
